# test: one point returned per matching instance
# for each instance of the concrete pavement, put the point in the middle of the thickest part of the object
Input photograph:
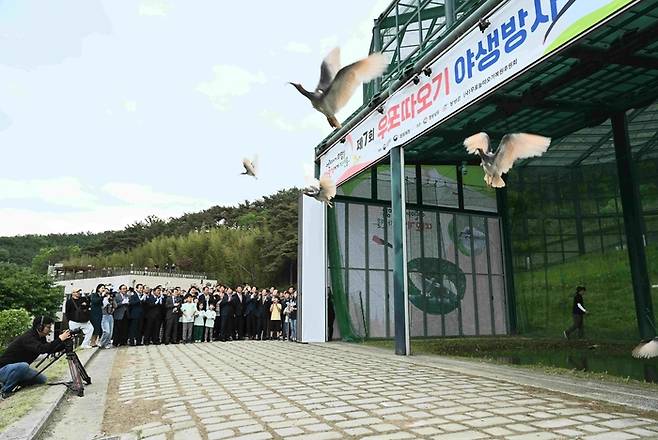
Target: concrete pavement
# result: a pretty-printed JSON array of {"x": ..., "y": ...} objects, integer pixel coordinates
[{"x": 262, "y": 390}]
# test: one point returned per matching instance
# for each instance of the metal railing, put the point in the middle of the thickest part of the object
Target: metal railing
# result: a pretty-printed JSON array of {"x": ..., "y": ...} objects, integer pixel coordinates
[{"x": 65, "y": 275}]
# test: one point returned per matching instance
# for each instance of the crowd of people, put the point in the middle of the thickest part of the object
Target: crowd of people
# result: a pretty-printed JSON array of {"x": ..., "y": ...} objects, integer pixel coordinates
[{"x": 144, "y": 316}]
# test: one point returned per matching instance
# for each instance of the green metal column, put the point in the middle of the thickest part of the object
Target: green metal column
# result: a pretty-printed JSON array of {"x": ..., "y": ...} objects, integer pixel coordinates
[
  {"x": 575, "y": 177},
  {"x": 450, "y": 12},
  {"x": 630, "y": 202},
  {"x": 400, "y": 293},
  {"x": 506, "y": 236},
  {"x": 377, "y": 47}
]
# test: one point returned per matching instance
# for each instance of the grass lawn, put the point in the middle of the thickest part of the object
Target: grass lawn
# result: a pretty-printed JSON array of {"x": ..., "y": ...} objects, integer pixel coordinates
[
  {"x": 23, "y": 401},
  {"x": 599, "y": 360},
  {"x": 544, "y": 298}
]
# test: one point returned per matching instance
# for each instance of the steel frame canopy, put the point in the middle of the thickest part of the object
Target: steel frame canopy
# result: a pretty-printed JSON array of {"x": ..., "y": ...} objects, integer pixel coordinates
[
  {"x": 602, "y": 74},
  {"x": 613, "y": 68}
]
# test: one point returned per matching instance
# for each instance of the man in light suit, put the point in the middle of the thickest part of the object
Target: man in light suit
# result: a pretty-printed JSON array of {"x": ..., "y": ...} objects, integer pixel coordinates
[{"x": 121, "y": 316}]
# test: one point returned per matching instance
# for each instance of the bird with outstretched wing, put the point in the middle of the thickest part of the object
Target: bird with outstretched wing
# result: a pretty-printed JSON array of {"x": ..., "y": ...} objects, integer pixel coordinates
[
  {"x": 250, "y": 167},
  {"x": 512, "y": 147},
  {"x": 337, "y": 85}
]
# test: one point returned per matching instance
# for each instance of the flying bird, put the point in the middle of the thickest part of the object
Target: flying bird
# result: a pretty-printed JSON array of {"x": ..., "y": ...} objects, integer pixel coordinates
[
  {"x": 337, "y": 85},
  {"x": 250, "y": 167},
  {"x": 512, "y": 146},
  {"x": 322, "y": 190}
]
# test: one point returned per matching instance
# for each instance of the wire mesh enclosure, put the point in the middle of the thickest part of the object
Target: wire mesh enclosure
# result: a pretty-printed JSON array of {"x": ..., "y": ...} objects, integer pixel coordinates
[
  {"x": 454, "y": 255},
  {"x": 568, "y": 230}
]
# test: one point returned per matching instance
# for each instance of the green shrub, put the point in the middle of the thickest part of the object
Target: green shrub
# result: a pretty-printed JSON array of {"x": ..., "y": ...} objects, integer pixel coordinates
[
  {"x": 20, "y": 288},
  {"x": 13, "y": 322}
]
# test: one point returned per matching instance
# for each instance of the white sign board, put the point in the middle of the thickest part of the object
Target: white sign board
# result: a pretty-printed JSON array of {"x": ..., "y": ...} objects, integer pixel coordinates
[{"x": 521, "y": 33}]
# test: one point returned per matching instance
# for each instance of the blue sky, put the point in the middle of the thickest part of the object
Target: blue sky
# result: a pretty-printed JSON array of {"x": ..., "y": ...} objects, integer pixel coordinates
[{"x": 111, "y": 111}]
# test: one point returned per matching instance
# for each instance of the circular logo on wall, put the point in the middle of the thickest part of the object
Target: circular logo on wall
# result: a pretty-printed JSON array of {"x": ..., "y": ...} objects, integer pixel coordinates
[
  {"x": 443, "y": 282},
  {"x": 464, "y": 235}
]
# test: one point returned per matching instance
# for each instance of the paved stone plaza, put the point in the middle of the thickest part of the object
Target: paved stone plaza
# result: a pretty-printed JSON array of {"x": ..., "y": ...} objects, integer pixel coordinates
[{"x": 262, "y": 390}]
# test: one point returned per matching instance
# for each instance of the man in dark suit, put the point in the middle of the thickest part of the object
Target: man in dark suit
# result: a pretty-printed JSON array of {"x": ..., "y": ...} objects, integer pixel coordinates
[
  {"x": 153, "y": 316},
  {"x": 226, "y": 315},
  {"x": 264, "y": 315},
  {"x": 258, "y": 314},
  {"x": 136, "y": 315},
  {"x": 284, "y": 303},
  {"x": 204, "y": 296},
  {"x": 172, "y": 305},
  {"x": 218, "y": 320},
  {"x": 331, "y": 314},
  {"x": 238, "y": 301},
  {"x": 251, "y": 303}
]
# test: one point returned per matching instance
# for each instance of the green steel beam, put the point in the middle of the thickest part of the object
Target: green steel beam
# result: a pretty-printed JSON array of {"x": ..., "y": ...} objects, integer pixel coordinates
[
  {"x": 627, "y": 44},
  {"x": 425, "y": 14},
  {"x": 648, "y": 145},
  {"x": 450, "y": 12},
  {"x": 632, "y": 209},
  {"x": 460, "y": 187},
  {"x": 506, "y": 235},
  {"x": 376, "y": 47},
  {"x": 602, "y": 141},
  {"x": 400, "y": 293}
]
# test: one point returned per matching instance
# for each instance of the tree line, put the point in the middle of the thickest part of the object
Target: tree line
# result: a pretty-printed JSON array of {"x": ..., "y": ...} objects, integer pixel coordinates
[{"x": 254, "y": 241}]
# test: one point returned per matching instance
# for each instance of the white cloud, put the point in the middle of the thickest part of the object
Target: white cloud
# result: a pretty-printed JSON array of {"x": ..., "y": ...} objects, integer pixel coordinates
[
  {"x": 86, "y": 213},
  {"x": 312, "y": 121},
  {"x": 154, "y": 8},
  {"x": 229, "y": 81},
  {"x": 25, "y": 221},
  {"x": 297, "y": 47},
  {"x": 142, "y": 195},
  {"x": 64, "y": 191}
]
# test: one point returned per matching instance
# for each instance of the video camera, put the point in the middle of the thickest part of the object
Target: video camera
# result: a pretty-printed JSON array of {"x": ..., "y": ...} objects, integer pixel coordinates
[
  {"x": 76, "y": 332},
  {"x": 68, "y": 344}
]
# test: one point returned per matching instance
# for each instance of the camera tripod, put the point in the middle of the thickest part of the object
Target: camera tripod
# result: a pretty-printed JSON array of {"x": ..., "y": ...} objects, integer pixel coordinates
[{"x": 78, "y": 372}]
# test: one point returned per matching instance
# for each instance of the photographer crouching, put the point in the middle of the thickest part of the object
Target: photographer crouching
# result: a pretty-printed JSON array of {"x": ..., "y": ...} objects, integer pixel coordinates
[{"x": 15, "y": 361}]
